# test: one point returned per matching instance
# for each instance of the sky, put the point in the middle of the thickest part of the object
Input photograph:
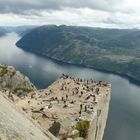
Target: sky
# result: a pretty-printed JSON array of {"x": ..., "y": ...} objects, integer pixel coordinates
[{"x": 95, "y": 13}]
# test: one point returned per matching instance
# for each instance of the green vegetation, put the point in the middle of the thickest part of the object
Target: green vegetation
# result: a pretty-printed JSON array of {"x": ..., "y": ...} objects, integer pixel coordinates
[
  {"x": 3, "y": 70},
  {"x": 105, "y": 49},
  {"x": 14, "y": 81},
  {"x": 12, "y": 73},
  {"x": 21, "y": 91},
  {"x": 83, "y": 127}
]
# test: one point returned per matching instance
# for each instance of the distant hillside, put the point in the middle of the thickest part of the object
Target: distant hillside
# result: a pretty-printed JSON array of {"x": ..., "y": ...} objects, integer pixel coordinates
[
  {"x": 106, "y": 49},
  {"x": 20, "y": 30},
  {"x": 2, "y": 31}
]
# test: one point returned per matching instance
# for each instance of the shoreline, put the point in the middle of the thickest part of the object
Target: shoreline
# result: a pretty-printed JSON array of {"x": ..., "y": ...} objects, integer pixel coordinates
[{"x": 131, "y": 79}]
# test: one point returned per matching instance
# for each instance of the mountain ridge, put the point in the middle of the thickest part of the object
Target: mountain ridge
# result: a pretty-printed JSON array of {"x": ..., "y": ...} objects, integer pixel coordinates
[{"x": 112, "y": 50}]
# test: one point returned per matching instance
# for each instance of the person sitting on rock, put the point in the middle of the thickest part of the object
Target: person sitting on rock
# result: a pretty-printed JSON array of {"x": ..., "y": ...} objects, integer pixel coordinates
[
  {"x": 72, "y": 102},
  {"x": 65, "y": 104},
  {"x": 50, "y": 105},
  {"x": 66, "y": 96}
]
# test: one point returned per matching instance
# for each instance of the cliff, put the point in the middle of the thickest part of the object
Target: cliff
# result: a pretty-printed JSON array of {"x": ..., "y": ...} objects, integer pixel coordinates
[
  {"x": 70, "y": 108},
  {"x": 98, "y": 124}
]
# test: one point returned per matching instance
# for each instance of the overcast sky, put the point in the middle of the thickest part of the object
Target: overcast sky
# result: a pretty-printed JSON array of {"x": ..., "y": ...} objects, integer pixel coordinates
[{"x": 98, "y": 13}]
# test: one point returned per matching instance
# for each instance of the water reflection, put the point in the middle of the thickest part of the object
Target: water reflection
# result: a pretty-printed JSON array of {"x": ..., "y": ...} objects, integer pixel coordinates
[{"x": 124, "y": 115}]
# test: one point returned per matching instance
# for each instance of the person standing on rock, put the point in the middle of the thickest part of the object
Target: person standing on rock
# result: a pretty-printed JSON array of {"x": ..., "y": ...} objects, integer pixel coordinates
[
  {"x": 62, "y": 98},
  {"x": 66, "y": 96},
  {"x": 85, "y": 108},
  {"x": 58, "y": 101},
  {"x": 81, "y": 93},
  {"x": 80, "y": 112},
  {"x": 81, "y": 106}
]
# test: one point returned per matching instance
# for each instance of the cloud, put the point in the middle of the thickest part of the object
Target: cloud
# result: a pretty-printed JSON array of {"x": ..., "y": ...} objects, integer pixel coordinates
[
  {"x": 98, "y": 13},
  {"x": 26, "y": 6}
]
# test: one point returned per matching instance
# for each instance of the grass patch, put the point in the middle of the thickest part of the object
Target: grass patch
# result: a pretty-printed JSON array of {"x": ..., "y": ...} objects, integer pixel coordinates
[{"x": 22, "y": 91}]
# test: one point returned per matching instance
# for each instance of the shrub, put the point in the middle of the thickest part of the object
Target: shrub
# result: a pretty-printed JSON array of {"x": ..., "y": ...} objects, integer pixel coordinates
[{"x": 83, "y": 126}]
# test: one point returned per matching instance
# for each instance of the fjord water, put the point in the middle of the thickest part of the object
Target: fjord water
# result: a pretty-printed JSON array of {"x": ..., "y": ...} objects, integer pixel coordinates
[{"x": 124, "y": 115}]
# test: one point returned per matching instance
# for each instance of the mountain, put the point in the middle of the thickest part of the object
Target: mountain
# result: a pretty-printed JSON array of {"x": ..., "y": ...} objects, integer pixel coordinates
[{"x": 112, "y": 50}]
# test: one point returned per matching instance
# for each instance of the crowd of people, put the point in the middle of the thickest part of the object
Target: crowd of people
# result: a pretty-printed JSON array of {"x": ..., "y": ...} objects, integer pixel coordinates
[{"x": 86, "y": 89}]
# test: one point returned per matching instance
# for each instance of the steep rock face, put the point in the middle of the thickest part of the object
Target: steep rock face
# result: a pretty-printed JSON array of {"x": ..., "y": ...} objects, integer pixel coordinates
[
  {"x": 14, "y": 81},
  {"x": 58, "y": 108},
  {"x": 98, "y": 124},
  {"x": 51, "y": 110},
  {"x": 14, "y": 125}
]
